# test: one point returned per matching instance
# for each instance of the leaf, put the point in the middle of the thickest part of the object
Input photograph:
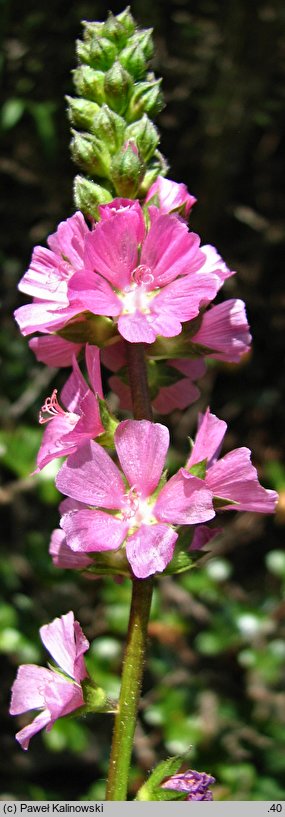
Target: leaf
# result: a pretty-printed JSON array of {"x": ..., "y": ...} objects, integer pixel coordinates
[
  {"x": 11, "y": 113},
  {"x": 151, "y": 790},
  {"x": 18, "y": 449}
]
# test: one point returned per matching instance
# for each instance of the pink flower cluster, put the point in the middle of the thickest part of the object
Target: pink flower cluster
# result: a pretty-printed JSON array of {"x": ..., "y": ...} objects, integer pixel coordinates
[{"x": 143, "y": 268}]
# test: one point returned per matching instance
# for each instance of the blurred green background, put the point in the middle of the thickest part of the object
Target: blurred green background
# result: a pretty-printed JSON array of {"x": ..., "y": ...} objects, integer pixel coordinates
[{"x": 215, "y": 675}]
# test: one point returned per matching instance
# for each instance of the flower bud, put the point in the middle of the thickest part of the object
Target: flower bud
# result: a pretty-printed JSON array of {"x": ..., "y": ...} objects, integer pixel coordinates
[
  {"x": 144, "y": 39},
  {"x": 90, "y": 153},
  {"x": 99, "y": 53},
  {"x": 145, "y": 135},
  {"x": 89, "y": 83},
  {"x": 132, "y": 58},
  {"x": 94, "y": 329},
  {"x": 117, "y": 87},
  {"x": 110, "y": 127},
  {"x": 81, "y": 112},
  {"x": 127, "y": 171},
  {"x": 146, "y": 98},
  {"x": 127, "y": 21},
  {"x": 88, "y": 195},
  {"x": 115, "y": 31},
  {"x": 91, "y": 30}
]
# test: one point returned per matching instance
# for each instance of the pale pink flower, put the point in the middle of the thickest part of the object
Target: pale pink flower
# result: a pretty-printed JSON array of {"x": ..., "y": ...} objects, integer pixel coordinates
[
  {"x": 147, "y": 286},
  {"x": 56, "y": 692},
  {"x": 54, "y": 350},
  {"x": 194, "y": 784},
  {"x": 62, "y": 556},
  {"x": 143, "y": 520},
  {"x": 225, "y": 331},
  {"x": 170, "y": 196},
  {"x": 233, "y": 477},
  {"x": 68, "y": 428},
  {"x": 47, "y": 278}
]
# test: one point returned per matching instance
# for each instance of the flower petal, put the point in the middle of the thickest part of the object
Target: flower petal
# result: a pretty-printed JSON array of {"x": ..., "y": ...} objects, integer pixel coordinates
[
  {"x": 202, "y": 535},
  {"x": 150, "y": 549},
  {"x": 184, "y": 500},
  {"x": 112, "y": 248},
  {"x": 90, "y": 531},
  {"x": 92, "y": 357},
  {"x": 208, "y": 440},
  {"x": 62, "y": 555},
  {"x": 91, "y": 476},
  {"x": 142, "y": 447},
  {"x": 53, "y": 350},
  {"x": 74, "y": 389},
  {"x": 28, "y": 687},
  {"x": 136, "y": 328},
  {"x": 66, "y": 643},
  {"x": 24, "y": 736},
  {"x": 234, "y": 477},
  {"x": 184, "y": 297},
  {"x": 178, "y": 395},
  {"x": 225, "y": 330},
  {"x": 170, "y": 250},
  {"x": 68, "y": 240},
  {"x": 94, "y": 293}
]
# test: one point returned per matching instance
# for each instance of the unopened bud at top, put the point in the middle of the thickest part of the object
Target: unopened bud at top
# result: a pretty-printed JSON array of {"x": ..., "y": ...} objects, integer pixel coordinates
[
  {"x": 91, "y": 154},
  {"x": 99, "y": 53},
  {"x": 132, "y": 58},
  {"x": 81, "y": 112},
  {"x": 88, "y": 195},
  {"x": 146, "y": 98},
  {"x": 110, "y": 127}
]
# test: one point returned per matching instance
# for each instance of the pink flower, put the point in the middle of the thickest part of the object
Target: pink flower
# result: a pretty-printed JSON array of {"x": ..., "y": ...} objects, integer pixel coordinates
[
  {"x": 202, "y": 535},
  {"x": 148, "y": 291},
  {"x": 233, "y": 477},
  {"x": 54, "y": 350},
  {"x": 171, "y": 196},
  {"x": 54, "y": 693},
  {"x": 194, "y": 784},
  {"x": 47, "y": 278},
  {"x": 63, "y": 556},
  {"x": 142, "y": 518},
  {"x": 68, "y": 429},
  {"x": 225, "y": 330}
]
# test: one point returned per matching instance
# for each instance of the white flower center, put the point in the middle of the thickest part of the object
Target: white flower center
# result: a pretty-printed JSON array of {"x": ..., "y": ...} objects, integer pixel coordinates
[
  {"x": 137, "y": 296},
  {"x": 137, "y": 511}
]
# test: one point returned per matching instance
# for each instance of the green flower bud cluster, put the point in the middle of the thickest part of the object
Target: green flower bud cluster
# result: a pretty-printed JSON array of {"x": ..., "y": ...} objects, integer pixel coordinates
[{"x": 114, "y": 140}]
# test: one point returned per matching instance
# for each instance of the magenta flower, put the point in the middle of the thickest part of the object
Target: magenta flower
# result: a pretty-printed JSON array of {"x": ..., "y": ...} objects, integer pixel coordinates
[
  {"x": 194, "y": 784},
  {"x": 170, "y": 196},
  {"x": 68, "y": 428},
  {"x": 56, "y": 692},
  {"x": 233, "y": 477},
  {"x": 63, "y": 556},
  {"x": 128, "y": 506},
  {"x": 47, "y": 278},
  {"x": 225, "y": 330},
  {"x": 149, "y": 283}
]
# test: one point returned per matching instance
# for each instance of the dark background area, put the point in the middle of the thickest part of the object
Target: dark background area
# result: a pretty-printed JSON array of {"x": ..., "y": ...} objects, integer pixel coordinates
[{"x": 215, "y": 678}]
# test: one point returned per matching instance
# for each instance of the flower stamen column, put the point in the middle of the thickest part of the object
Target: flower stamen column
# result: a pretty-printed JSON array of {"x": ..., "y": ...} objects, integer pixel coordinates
[{"x": 134, "y": 658}]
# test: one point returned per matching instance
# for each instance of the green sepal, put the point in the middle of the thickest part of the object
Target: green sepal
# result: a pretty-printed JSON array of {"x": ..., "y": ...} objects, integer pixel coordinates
[
  {"x": 127, "y": 21},
  {"x": 95, "y": 698},
  {"x": 110, "y": 127},
  {"x": 89, "y": 83},
  {"x": 180, "y": 346},
  {"x": 117, "y": 86},
  {"x": 181, "y": 560},
  {"x": 116, "y": 29},
  {"x": 87, "y": 197},
  {"x": 199, "y": 469},
  {"x": 89, "y": 328},
  {"x": 146, "y": 98},
  {"x": 109, "y": 423},
  {"x": 81, "y": 112},
  {"x": 144, "y": 39},
  {"x": 146, "y": 136},
  {"x": 109, "y": 563},
  {"x": 98, "y": 52},
  {"x": 151, "y": 790},
  {"x": 90, "y": 153},
  {"x": 127, "y": 170},
  {"x": 219, "y": 503},
  {"x": 132, "y": 58},
  {"x": 157, "y": 166}
]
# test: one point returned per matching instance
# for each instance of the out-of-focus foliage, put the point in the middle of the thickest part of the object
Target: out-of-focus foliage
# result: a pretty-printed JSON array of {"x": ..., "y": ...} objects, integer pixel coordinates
[{"x": 215, "y": 676}]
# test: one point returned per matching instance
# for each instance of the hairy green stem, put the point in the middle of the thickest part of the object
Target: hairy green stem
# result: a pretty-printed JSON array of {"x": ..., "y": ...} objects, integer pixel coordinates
[{"x": 134, "y": 659}]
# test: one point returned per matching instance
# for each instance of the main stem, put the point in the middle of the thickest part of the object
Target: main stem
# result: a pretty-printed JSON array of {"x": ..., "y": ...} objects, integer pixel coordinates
[{"x": 134, "y": 658}]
